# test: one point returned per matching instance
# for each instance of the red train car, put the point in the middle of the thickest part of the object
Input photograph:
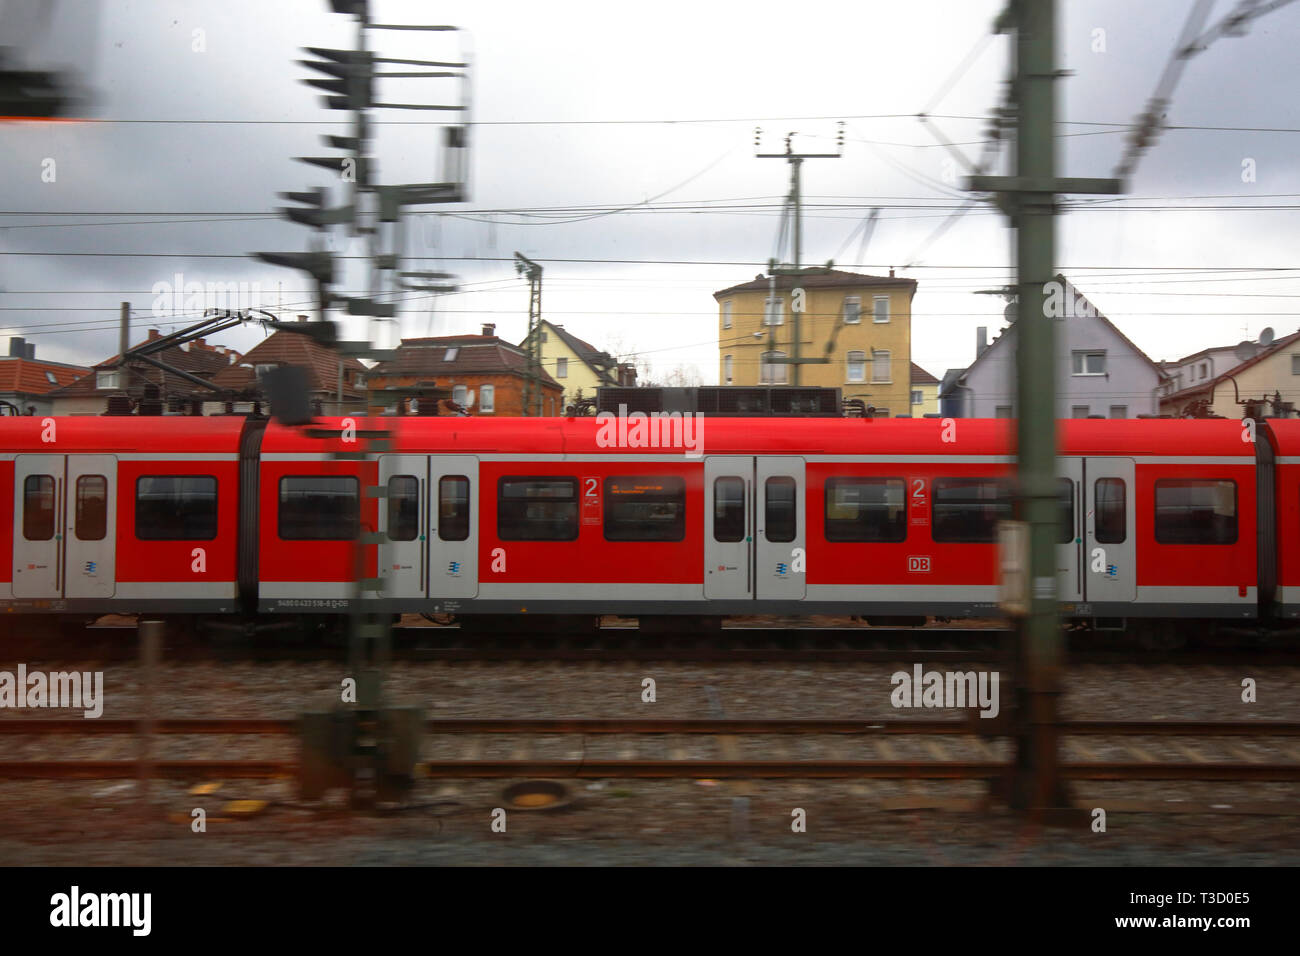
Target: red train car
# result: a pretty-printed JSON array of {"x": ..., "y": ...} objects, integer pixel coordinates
[
  {"x": 119, "y": 514},
  {"x": 1160, "y": 519}
]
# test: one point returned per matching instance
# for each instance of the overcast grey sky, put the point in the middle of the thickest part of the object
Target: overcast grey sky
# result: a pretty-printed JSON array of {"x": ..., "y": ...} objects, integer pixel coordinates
[{"x": 608, "y": 105}]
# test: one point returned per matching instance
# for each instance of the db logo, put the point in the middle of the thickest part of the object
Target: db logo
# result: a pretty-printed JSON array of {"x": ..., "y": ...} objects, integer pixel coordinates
[{"x": 918, "y": 562}]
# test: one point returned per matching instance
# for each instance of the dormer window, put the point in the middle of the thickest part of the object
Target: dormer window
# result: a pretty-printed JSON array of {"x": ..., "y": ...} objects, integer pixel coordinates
[
  {"x": 109, "y": 379},
  {"x": 263, "y": 369}
]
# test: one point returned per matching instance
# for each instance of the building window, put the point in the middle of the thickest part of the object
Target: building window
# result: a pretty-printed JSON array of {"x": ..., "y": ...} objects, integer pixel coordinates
[
  {"x": 1002, "y": 411},
  {"x": 111, "y": 379},
  {"x": 1089, "y": 363},
  {"x": 880, "y": 308},
  {"x": 729, "y": 509},
  {"x": 1196, "y": 511},
  {"x": 1119, "y": 411},
  {"x": 403, "y": 507},
  {"x": 773, "y": 312},
  {"x": 1295, "y": 364},
  {"x": 1079, "y": 411},
  {"x": 969, "y": 509},
  {"x": 645, "y": 508},
  {"x": 92, "y": 508},
  {"x": 487, "y": 399},
  {"x": 1205, "y": 370},
  {"x": 779, "y": 512},
  {"x": 451, "y": 353},
  {"x": 319, "y": 508},
  {"x": 261, "y": 370},
  {"x": 460, "y": 395},
  {"x": 771, "y": 373},
  {"x": 38, "y": 508},
  {"x": 1109, "y": 505},
  {"x": 537, "y": 509},
  {"x": 852, "y": 311},
  {"x": 453, "y": 508},
  {"x": 726, "y": 314},
  {"x": 176, "y": 508},
  {"x": 880, "y": 413},
  {"x": 865, "y": 509},
  {"x": 880, "y": 365},
  {"x": 726, "y": 370},
  {"x": 561, "y": 368},
  {"x": 917, "y": 397},
  {"x": 857, "y": 370},
  {"x": 49, "y": 377}
]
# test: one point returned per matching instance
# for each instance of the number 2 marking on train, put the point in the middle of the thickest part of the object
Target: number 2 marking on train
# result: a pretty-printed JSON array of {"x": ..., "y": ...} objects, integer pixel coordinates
[
  {"x": 918, "y": 487},
  {"x": 591, "y": 487}
]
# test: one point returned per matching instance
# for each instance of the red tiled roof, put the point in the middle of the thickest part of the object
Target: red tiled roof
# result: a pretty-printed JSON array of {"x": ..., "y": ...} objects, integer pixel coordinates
[
  {"x": 292, "y": 348},
  {"x": 921, "y": 377},
  {"x": 475, "y": 355},
  {"x": 29, "y": 375}
]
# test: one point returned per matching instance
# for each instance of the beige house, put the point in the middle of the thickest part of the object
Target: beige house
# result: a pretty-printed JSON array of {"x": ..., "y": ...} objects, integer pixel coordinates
[
  {"x": 925, "y": 392},
  {"x": 860, "y": 324},
  {"x": 579, "y": 367},
  {"x": 1274, "y": 372}
]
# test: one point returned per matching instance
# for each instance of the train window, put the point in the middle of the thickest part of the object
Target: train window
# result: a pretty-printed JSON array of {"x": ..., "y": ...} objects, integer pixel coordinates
[
  {"x": 403, "y": 507},
  {"x": 319, "y": 508},
  {"x": 866, "y": 509},
  {"x": 729, "y": 509},
  {"x": 38, "y": 508},
  {"x": 176, "y": 508},
  {"x": 645, "y": 508},
  {"x": 1195, "y": 511},
  {"x": 92, "y": 507},
  {"x": 537, "y": 509},
  {"x": 780, "y": 516},
  {"x": 453, "y": 507},
  {"x": 969, "y": 509},
  {"x": 1110, "y": 508},
  {"x": 1065, "y": 500}
]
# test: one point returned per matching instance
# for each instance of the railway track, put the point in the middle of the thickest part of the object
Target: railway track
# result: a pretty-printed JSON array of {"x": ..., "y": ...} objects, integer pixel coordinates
[
  {"x": 730, "y": 645},
  {"x": 953, "y": 749}
]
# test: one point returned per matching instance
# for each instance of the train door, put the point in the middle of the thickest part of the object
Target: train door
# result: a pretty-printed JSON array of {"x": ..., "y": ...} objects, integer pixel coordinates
[
  {"x": 38, "y": 538},
  {"x": 779, "y": 513},
  {"x": 64, "y": 526},
  {"x": 1070, "y": 563},
  {"x": 1109, "y": 522},
  {"x": 728, "y": 528},
  {"x": 453, "y": 529},
  {"x": 90, "y": 523},
  {"x": 404, "y": 516}
]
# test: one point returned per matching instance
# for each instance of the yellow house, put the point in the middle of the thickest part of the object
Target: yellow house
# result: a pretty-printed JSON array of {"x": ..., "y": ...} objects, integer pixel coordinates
[
  {"x": 925, "y": 392},
  {"x": 860, "y": 324},
  {"x": 1273, "y": 371},
  {"x": 578, "y": 366}
]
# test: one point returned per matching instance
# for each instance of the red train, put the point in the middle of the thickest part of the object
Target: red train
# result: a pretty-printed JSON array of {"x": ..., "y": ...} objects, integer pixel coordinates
[{"x": 885, "y": 518}]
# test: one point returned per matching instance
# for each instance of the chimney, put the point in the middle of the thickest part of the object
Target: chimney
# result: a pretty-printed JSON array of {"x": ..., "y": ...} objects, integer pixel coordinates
[
  {"x": 302, "y": 318},
  {"x": 31, "y": 350},
  {"x": 489, "y": 328},
  {"x": 891, "y": 272},
  {"x": 154, "y": 334},
  {"x": 17, "y": 346},
  {"x": 981, "y": 340}
]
